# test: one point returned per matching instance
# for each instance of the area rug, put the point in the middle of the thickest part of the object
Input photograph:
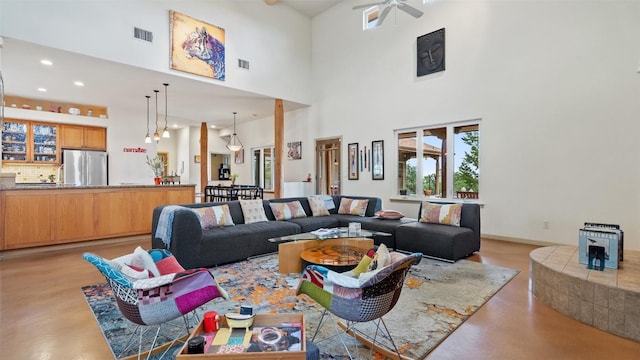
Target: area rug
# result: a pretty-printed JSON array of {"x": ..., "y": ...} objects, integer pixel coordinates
[{"x": 436, "y": 299}]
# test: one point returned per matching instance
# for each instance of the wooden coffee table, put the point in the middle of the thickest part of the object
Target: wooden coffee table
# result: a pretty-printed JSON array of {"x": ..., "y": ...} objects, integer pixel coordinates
[
  {"x": 289, "y": 253},
  {"x": 337, "y": 257}
]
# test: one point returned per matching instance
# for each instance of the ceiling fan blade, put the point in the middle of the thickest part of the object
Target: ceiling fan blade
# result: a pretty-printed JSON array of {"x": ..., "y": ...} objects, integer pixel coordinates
[
  {"x": 384, "y": 14},
  {"x": 368, "y": 5},
  {"x": 410, "y": 10}
]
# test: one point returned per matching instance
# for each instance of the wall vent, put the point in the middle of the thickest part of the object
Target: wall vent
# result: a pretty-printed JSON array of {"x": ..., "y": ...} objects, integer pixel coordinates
[
  {"x": 142, "y": 34},
  {"x": 243, "y": 64}
]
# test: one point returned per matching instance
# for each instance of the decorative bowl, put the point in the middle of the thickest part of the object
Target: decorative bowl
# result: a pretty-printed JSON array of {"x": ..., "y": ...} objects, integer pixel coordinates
[{"x": 235, "y": 320}]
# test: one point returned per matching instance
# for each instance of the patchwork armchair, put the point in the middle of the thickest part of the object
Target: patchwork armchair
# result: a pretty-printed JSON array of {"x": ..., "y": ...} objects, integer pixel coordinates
[
  {"x": 359, "y": 296},
  {"x": 151, "y": 289}
]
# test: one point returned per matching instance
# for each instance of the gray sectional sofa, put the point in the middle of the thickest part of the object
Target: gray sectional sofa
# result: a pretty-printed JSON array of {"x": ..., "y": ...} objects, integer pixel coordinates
[{"x": 194, "y": 247}]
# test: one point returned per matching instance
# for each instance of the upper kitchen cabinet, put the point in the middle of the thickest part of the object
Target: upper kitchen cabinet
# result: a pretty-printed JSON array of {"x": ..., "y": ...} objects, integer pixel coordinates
[
  {"x": 14, "y": 140},
  {"x": 83, "y": 137},
  {"x": 29, "y": 142},
  {"x": 45, "y": 143}
]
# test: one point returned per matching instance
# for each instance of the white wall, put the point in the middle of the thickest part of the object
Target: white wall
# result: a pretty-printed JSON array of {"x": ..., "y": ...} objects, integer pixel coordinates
[
  {"x": 275, "y": 39},
  {"x": 554, "y": 83}
]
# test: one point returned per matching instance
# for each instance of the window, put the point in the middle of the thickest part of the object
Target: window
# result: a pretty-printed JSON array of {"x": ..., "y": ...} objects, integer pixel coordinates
[
  {"x": 262, "y": 165},
  {"x": 370, "y": 17},
  {"x": 439, "y": 173}
]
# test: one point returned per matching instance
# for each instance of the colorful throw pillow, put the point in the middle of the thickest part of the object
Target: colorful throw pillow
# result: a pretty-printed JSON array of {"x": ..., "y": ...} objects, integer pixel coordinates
[
  {"x": 253, "y": 211},
  {"x": 441, "y": 214},
  {"x": 287, "y": 210},
  {"x": 318, "y": 205},
  {"x": 380, "y": 259},
  {"x": 165, "y": 261},
  {"x": 214, "y": 216},
  {"x": 353, "y": 206},
  {"x": 389, "y": 214}
]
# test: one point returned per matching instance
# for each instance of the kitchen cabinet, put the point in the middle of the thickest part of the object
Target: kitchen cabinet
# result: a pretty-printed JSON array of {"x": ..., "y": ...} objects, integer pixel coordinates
[
  {"x": 83, "y": 137},
  {"x": 30, "y": 142},
  {"x": 42, "y": 215}
]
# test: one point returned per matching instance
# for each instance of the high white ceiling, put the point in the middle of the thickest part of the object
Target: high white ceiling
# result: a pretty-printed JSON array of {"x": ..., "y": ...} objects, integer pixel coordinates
[{"x": 189, "y": 101}]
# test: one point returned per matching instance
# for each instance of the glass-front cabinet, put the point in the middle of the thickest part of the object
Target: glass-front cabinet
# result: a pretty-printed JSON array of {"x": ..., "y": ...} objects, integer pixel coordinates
[
  {"x": 14, "y": 141},
  {"x": 45, "y": 143},
  {"x": 25, "y": 141}
]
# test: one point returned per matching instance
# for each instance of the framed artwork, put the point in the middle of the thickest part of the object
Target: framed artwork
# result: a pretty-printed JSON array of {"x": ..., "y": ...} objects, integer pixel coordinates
[
  {"x": 196, "y": 159},
  {"x": 377, "y": 160},
  {"x": 294, "y": 150},
  {"x": 196, "y": 47},
  {"x": 430, "y": 53},
  {"x": 354, "y": 168},
  {"x": 239, "y": 156}
]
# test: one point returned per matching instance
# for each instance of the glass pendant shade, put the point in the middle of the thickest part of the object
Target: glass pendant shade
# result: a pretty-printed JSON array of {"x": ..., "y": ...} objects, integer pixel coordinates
[
  {"x": 234, "y": 143},
  {"x": 165, "y": 133},
  {"x": 147, "y": 139}
]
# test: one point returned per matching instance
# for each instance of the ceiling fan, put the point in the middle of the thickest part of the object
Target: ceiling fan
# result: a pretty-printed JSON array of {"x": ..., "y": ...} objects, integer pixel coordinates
[{"x": 389, "y": 4}]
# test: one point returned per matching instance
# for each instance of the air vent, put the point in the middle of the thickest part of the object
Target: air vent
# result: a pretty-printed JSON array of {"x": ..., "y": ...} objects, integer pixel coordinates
[
  {"x": 142, "y": 34},
  {"x": 244, "y": 64}
]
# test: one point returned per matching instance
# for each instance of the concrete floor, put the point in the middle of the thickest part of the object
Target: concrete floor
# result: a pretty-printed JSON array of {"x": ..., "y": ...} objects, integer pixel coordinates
[{"x": 43, "y": 314}]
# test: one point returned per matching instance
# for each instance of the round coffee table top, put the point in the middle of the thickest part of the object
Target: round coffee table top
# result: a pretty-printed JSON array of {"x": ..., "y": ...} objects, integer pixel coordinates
[{"x": 334, "y": 255}]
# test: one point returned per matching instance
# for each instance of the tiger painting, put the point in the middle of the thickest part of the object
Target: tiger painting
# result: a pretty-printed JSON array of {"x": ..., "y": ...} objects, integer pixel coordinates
[{"x": 199, "y": 44}]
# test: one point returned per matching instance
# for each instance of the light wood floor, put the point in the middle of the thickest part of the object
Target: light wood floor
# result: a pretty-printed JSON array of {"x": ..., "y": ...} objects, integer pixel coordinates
[{"x": 43, "y": 314}]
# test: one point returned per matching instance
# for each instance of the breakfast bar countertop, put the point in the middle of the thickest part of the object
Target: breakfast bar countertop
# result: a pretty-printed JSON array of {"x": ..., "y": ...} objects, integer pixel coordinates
[{"x": 57, "y": 186}]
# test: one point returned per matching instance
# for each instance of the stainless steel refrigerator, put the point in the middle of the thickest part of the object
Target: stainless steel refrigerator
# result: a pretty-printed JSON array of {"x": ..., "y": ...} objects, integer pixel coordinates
[{"x": 84, "y": 167}]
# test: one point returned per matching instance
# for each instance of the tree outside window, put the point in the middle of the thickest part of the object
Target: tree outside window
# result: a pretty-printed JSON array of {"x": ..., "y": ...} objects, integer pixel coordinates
[{"x": 437, "y": 168}]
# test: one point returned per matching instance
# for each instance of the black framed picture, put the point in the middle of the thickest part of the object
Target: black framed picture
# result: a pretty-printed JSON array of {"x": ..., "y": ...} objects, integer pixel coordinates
[
  {"x": 354, "y": 169},
  {"x": 377, "y": 160},
  {"x": 430, "y": 54}
]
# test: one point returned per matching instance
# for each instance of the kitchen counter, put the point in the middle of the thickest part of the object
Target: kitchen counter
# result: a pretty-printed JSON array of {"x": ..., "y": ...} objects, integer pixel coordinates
[
  {"x": 37, "y": 215},
  {"x": 49, "y": 186}
]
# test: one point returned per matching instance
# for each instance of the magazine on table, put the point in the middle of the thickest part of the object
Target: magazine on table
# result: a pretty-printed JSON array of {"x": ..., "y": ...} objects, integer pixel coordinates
[
  {"x": 285, "y": 337},
  {"x": 281, "y": 337}
]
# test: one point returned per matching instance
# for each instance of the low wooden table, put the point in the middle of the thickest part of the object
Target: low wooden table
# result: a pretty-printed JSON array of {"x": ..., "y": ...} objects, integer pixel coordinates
[
  {"x": 338, "y": 257},
  {"x": 289, "y": 253}
]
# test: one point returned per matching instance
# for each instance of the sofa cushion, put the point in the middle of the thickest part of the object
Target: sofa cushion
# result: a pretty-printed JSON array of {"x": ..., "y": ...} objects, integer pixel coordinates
[
  {"x": 353, "y": 206},
  {"x": 287, "y": 210},
  {"x": 318, "y": 205},
  {"x": 214, "y": 216},
  {"x": 253, "y": 211},
  {"x": 311, "y": 223},
  {"x": 448, "y": 214}
]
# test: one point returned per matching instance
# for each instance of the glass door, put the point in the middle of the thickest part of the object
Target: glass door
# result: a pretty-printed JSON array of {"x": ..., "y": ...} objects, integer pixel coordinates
[
  {"x": 45, "y": 143},
  {"x": 14, "y": 141}
]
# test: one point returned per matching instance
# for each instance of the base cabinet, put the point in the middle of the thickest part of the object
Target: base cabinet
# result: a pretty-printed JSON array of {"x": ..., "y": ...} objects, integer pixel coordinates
[{"x": 38, "y": 217}]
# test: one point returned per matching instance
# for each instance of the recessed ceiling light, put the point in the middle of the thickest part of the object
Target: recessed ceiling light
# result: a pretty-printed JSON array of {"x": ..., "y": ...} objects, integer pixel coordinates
[
  {"x": 46, "y": 62},
  {"x": 175, "y": 125},
  {"x": 78, "y": 83},
  {"x": 213, "y": 126},
  {"x": 42, "y": 89}
]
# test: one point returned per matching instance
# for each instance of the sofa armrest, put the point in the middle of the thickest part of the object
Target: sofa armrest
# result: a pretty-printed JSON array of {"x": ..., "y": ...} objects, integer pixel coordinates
[{"x": 186, "y": 234}]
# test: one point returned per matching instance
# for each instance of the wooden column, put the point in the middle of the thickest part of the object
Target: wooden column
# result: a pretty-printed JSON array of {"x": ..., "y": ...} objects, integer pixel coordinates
[
  {"x": 204, "y": 141},
  {"x": 278, "y": 124}
]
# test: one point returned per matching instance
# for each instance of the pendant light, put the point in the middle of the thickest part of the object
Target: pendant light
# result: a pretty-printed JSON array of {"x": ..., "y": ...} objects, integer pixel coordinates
[
  {"x": 165, "y": 132},
  {"x": 156, "y": 135},
  {"x": 234, "y": 143},
  {"x": 147, "y": 138}
]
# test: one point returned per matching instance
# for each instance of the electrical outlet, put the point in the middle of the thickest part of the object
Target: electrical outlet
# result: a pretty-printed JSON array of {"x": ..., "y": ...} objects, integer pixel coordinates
[{"x": 545, "y": 225}]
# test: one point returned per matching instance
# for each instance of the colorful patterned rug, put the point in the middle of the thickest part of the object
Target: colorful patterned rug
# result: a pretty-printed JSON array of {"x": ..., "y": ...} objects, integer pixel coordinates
[{"x": 437, "y": 298}]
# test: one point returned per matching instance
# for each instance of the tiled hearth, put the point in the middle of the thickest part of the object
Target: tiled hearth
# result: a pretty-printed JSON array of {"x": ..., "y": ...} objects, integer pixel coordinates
[{"x": 608, "y": 300}]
